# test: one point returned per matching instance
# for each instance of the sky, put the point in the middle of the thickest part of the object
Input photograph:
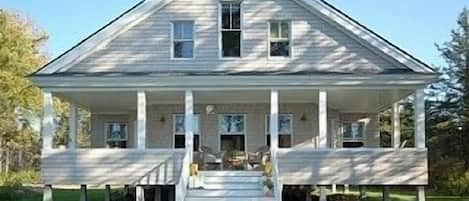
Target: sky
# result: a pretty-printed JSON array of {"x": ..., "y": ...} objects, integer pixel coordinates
[{"x": 413, "y": 25}]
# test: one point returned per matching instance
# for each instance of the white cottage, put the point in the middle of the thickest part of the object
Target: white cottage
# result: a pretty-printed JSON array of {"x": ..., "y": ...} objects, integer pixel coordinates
[{"x": 235, "y": 87}]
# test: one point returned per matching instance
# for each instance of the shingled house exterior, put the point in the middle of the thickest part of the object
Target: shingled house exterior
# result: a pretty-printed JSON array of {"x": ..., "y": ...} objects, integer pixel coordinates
[{"x": 168, "y": 78}]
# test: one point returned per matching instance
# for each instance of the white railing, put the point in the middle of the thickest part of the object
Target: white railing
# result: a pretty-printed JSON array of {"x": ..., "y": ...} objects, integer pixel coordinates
[
  {"x": 181, "y": 186},
  {"x": 278, "y": 186}
]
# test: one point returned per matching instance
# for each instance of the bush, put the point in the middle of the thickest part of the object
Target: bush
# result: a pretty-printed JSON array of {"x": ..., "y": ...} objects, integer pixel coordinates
[
  {"x": 12, "y": 184},
  {"x": 342, "y": 197}
]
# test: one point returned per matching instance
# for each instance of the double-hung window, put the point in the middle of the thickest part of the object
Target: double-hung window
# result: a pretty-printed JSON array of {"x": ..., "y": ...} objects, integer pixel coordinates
[
  {"x": 116, "y": 134},
  {"x": 353, "y": 134},
  {"x": 285, "y": 130},
  {"x": 280, "y": 39},
  {"x": 180, "y": 131},
  {"x": 232, "y": 132},
  {"x": 230, "y": 23},
  {"x": 183, "y": 39}
]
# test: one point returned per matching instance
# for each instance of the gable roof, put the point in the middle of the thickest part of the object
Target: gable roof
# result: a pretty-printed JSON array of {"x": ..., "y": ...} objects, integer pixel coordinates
[{"x": 321, "y": 8}]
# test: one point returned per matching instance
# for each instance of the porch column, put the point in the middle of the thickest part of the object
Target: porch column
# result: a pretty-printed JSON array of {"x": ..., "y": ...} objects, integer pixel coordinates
[
  {"x": 48, "y": 121},
  {"x": 188, "y": 122},
  {"x": 419, "y": 132},
  {"x": 322, "y": 119},
  {"x": 139, "y": 193},
  {"x": 396, "y": 125},
  {"x": 419, "y": 118},
  {"x": 273, "y": 129},
  {"x": 73, "y": 126},
  {"x": 47, "y": 194},
  {"x": 141, "y": 119}
]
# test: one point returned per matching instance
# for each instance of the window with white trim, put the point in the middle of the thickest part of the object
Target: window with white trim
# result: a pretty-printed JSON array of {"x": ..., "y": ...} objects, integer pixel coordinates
[
  {"x": 232, "y": 132},
  {"x": 280, "y": 39},
  {"x": 183, "y": 39},
  {"x": 230, "y": 29},
  {"x": 285, "y": 130},
  {"x": 353, "y": 134},
  {"x": 116, "y": 134},
  {"x": 179, "y": 131}
]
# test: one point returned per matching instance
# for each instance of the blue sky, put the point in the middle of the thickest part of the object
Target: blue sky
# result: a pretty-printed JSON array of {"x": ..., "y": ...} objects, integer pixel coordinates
[{"x": 414, "y": 25}]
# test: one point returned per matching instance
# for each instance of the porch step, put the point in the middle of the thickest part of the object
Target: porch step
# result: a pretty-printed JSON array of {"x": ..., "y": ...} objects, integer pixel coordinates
[
  {"x": 229, "y": 186},
  {"x": 225, "y": 193}
]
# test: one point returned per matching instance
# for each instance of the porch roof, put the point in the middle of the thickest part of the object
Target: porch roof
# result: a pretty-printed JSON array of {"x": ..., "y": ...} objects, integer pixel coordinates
[{"x": 342, "y": 100}]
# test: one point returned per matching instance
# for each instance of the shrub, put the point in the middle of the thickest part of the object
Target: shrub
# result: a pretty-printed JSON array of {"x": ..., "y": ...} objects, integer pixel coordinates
[{"x": 342, "y": 197}]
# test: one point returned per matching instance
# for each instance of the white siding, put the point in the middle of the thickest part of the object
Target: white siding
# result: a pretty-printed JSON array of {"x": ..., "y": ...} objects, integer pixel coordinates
[
  {"x": 111, "y": 166},
  {"x": 354, "y": 166},
  {"x": 317, "y": 46}
]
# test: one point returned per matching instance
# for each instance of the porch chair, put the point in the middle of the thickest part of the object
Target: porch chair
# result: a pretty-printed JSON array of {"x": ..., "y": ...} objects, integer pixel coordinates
[
  {"x": 210, "y": 158},
  {"x": 258, "y": 158}
]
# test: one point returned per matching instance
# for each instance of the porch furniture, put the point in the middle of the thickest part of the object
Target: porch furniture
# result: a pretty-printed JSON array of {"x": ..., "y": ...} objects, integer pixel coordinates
[
  {"x": 212, "y": 159},
  {"x": 257, "y": 159}
]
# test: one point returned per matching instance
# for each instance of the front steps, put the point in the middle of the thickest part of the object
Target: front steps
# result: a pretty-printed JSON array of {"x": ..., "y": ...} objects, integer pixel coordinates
[{"x": 229, "y": 186}]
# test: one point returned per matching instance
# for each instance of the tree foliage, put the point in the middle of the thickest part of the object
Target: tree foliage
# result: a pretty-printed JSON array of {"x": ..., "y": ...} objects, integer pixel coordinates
[{"x": 20, "y": 55}]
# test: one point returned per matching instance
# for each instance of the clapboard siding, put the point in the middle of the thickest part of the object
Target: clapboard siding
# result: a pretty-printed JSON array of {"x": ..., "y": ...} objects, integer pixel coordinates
[
  {"x": 354, "y": 166},
  {"x": 111, "y": 166},
  {"x": 317, "y": 45}
]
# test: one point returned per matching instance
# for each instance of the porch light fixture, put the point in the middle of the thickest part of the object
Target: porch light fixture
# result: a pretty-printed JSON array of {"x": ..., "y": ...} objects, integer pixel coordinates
[
  {"x": 210, "y": 109},
  {"x": 303, "y": 117}
]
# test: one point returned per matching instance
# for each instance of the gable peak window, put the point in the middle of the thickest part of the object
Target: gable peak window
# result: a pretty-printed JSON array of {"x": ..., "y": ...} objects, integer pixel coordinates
[
  {"x": 230, "y": 23},
  {"x": 183, "y": 39},
  {"x": 280, "y": 39}
]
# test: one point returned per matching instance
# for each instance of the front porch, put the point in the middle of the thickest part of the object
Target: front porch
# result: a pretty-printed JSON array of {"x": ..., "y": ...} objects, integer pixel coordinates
[{"x": 151, "y": 137}]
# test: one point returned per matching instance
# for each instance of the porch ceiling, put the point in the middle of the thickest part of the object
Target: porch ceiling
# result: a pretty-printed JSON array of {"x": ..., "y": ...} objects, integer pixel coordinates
[{"x": 344, "y": 100}]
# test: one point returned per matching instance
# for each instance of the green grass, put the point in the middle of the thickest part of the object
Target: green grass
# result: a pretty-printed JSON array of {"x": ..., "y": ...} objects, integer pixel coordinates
[{"x": 35, "y": 194}]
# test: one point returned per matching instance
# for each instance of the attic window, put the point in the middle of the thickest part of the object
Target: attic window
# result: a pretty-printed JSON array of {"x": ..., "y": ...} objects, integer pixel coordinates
[
  {"x": 230, "y": 29},
  {"x": 183, "y": 39},
  {"x": 280, "y": 39}
]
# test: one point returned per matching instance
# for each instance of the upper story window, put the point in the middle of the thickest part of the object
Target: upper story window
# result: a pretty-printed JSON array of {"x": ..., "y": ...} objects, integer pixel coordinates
[
  {"x": 230, "y": 23},
  {"x": 116, "y": 134},
  {"x": 183, "y": 39},
  {"x": 280, "y": 39}
]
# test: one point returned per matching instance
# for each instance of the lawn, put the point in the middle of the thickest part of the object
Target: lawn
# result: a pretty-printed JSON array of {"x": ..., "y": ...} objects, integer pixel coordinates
[{"x": 34, "y": 194}]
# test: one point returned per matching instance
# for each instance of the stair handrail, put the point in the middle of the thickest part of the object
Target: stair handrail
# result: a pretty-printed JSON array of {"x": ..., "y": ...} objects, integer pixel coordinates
[
  {"x": 182, "y": 185},
  {"x": 278, "y": 187}
]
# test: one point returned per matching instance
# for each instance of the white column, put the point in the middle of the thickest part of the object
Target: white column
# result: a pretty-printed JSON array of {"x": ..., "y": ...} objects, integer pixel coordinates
[
  {"x": 419, "y": 118},
  {"x": 421, "y": 193},
  {"x": 139, "y": 193},
  {"x": 73, "y": 126},
  {"x": 396, "y": 125},
  {"x": 83, "y": 193},
  {"x": 48, "y": 121},
  {"x": 322, "y": 119},
  {"x": 107, "y": 193},
  {"x": 322, "y": 193},
  {"x": 273, "y": 129},
  {"x": 141, "y": 119},
  {"x": 188, "y": 122},
  {"x": 47, "y": 194},
  {"x": 386, "y": 196}
]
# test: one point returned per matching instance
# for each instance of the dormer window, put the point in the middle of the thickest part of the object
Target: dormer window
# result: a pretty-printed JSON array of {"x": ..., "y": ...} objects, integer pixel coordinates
[
  {"x": 230, "y": 22},
  {"x": 183, "y": 40},
  {"x": 280, "y": 39}
]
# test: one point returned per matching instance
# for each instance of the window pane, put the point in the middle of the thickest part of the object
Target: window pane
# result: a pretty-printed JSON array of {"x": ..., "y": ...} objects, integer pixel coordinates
[
  {"x": 284, "y": 141},
  {"x": 177, "y": 30},
  {"x": 347, "y": 131},
  {"x": 236, "y": 16},
  {"x": 231, "y": 41},
  {"x": 183, "y": 49},
  {"x": 284, "y": 125},
  {"x": 225, "y": 16},
  {"x": 285, "y": 30},
  {"x": 358, "y": 130},
  {"x": 116, "y": 131},
  {"x": 280, "y": 49},
  {"x": 232, "y": 124},
  {"x": 179, "y": 125},
  {"x": 274, "y": 27},
  {"x": 179, "y": 141},
  {"x": 232, "y": 142},
  {"x": 188, "y": 30}
]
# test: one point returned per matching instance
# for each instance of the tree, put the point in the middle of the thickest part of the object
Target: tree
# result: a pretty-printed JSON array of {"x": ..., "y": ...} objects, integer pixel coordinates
[
  {"x": 448, "y": 120},
  {"x": 20, "y": 55}
]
